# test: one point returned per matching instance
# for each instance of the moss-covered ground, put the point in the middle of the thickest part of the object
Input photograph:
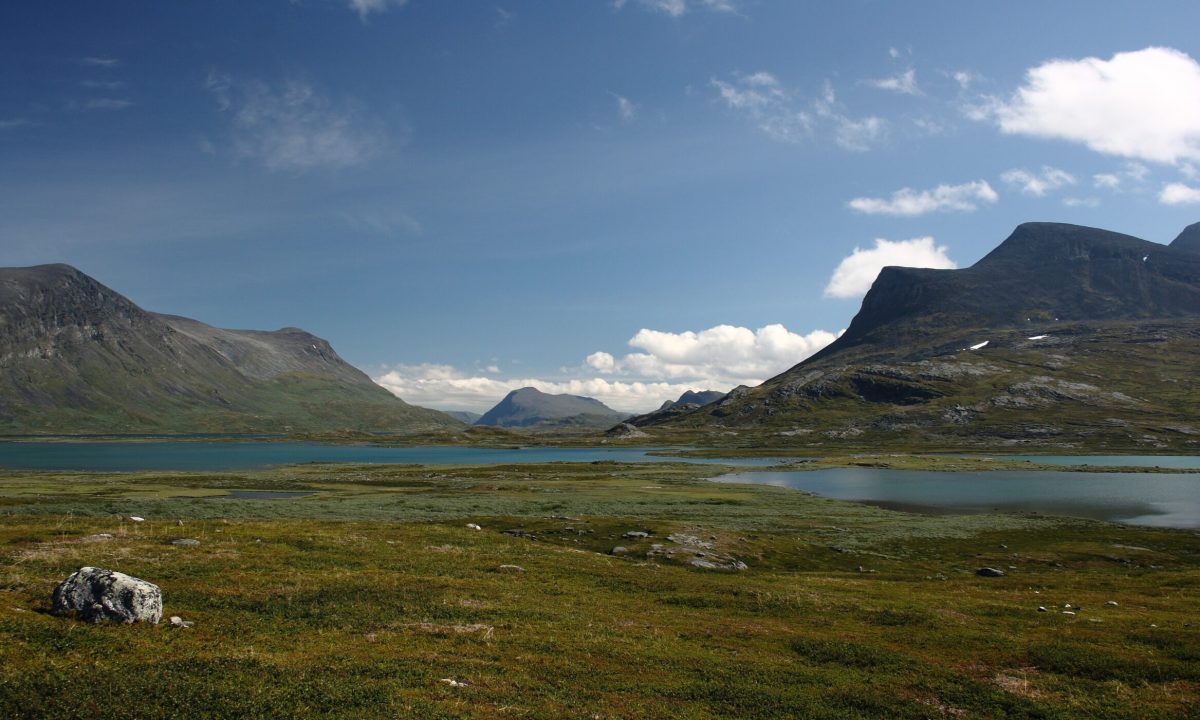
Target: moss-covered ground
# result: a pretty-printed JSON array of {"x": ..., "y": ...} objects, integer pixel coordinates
[{"x": 368, "y": 597}]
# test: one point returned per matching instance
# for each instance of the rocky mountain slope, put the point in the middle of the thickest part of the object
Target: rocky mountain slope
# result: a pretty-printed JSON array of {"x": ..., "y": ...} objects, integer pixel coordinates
[
  {"x": 531, "y": 408},
  {"x": 1063, "y": 336},
  {"x": 687, "y": 402},
  {"x": 78, "y": 357}
]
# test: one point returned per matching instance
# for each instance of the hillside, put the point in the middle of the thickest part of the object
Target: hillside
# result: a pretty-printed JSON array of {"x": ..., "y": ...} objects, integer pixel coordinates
[
  {"x": 1063, "y": 336},
  {"x": 78, "y": 357},
  {"x": 531, "y": 408}
]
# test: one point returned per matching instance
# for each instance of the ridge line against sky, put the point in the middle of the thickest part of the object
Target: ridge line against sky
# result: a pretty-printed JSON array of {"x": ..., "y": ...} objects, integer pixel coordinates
[{"x": 618, "y": 199}]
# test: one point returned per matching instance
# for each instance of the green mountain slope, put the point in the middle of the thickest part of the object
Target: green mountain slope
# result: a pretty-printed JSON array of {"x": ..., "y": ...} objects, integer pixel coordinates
[{"x": 77, "y": 357}]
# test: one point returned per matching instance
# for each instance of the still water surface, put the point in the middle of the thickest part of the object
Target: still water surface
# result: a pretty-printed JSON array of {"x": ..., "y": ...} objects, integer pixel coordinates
[
  {"x": 1158, "y": 499},
  {"x": 208, "y": 456}
]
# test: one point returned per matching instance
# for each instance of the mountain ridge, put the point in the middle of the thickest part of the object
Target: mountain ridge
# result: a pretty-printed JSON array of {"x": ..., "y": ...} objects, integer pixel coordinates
[{"x": 77, "y": 356}]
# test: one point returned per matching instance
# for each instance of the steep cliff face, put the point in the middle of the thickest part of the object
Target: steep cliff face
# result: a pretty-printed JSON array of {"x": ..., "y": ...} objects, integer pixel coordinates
[
  {"x": 1062, "y": 335},
  {"x": 76, "y": 356},
  {"x": 1042, "y": 273}
]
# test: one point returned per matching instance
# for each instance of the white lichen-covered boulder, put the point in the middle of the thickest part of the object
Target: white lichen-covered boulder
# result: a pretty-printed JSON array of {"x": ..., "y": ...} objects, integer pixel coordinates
[{"x": 96, "y": 594}]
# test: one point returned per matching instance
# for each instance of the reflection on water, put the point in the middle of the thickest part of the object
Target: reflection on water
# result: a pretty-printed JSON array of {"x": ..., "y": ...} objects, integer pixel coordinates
[
  {"x": 1158, "y": 499},
  {"x": 208, "y": 456}
]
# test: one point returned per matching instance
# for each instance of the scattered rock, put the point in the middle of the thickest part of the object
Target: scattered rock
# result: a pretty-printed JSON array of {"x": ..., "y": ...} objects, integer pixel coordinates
[
  {"x": 691, "y": 541},
  {"x": 1041, "y": 608},
  {"x": 455, "y": 683},
  {"x": 989, "y": 572},
  {"x": 619, "y": 550},
  {"x": 96, "y": 594},
  {"x": 98, "y": 537},
  {"x": 473, "y": 526},
  {"x": 135, "y": 518},
  {"x": 179, "y": 523},
  {"x": 1068, "y": 612},
  {"x": 625, "y": 430},
  {"x": 713, "y": 562},
  {"x": 636, "y": 534},
  {"x": 1111, "y": 603},
  {"x": 511, "y": 569},
  {"x": 178, "y": 622},
  {"x": 186, "y": 542}
]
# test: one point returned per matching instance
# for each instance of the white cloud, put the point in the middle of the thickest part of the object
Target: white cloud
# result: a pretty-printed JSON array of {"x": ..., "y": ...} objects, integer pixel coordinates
[
  {"x": 762, "y": 98},
  {"x": 859, "y": 135},
  {"x": 722, "y": 356},
  {"x": 13, "y": 123},
  {"x": 679, "y": 8},
  {"x": 1179, "y": 194},
  {"x": 601, "y": 362},
  {"x": 907, "y": 202},
  {"x": 854, "y": 275},
  {"x": 447, "y": 388},
  {"x": 1143, "y": 105},
  {"x": 292, "y": 126},
  {"x": 626, "y": 109},
  {"x": 1048, "y": 180},
  {"x": 905, "y": 83},
  {"x": 1132, "y": 172},
  {"x": 1088, "y": 202},
  {"x": 965, "y": 79},
  {"x": 664, "y": 366},
  {"x": 366, "y": 7},
  {"x": 101, "y": 62}
]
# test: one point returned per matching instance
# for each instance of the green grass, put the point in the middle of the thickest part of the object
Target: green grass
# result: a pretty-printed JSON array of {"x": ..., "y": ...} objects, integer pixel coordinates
[{"x": 357, "y": 601}]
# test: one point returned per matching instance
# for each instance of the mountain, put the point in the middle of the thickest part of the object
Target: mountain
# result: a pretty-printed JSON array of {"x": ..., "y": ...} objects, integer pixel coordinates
[
  {"x": 78, "y": 357},
  {"x": 463, "y": 416},
  {"x": 1063, "y": 336},
  {"x": 694, "y": 397},
  {"x": 1188, "y": 240},
  {"x": 531, "y": 408},
  {"x": 686, "y": 403}
]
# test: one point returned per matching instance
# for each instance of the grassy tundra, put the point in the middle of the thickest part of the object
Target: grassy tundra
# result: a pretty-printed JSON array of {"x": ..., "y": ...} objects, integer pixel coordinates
[{"x": 372, "y": 598}]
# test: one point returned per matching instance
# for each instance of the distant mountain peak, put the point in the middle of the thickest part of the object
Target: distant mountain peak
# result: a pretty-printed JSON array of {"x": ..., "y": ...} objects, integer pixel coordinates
[
  {"x": 1189, "y": 239},
  {"x": 527, "y": 407}
]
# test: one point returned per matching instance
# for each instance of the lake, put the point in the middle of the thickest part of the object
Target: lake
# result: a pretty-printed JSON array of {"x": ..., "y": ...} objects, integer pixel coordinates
[
  {"x": 209, "y": 456},
  {"x": 1157, "y": 499}
]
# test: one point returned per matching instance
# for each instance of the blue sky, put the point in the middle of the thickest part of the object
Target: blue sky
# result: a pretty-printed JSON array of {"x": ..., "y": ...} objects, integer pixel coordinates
[{"x": 617, "y": 199}]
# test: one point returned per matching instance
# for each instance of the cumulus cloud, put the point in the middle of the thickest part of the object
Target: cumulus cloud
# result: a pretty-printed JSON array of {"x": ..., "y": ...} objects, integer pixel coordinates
[
  {"x": 905, "y": 83},
  {"x": 907, "y": 202},
  {"x": 1038, "y": 184},
  {"x": 724, "y": 355},
  {"x": 854, "y": 275},
  {"x": 601, "y": 362},
  {"x": 679, "y": 8},
  {"x": 783, "y": 117},
  {"x": 1179, "y": 194},
  {"x": 447, "y": 388},
  {"x": 293, "y": 126},
  {"x": 365, "y": 7},
  {"x": 1143, "y": 105},
  {"x": 662, "y": 366}
]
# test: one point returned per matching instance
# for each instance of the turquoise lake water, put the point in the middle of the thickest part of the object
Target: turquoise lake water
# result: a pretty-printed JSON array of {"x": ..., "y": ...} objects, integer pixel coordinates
[
  {"x": 203, "y": 456},
  {"x": 1157, "y": 499}
]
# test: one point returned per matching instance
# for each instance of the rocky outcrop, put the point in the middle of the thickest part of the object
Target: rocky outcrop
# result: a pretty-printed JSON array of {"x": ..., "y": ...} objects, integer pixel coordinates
[{"x": 95, "y": 594}]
